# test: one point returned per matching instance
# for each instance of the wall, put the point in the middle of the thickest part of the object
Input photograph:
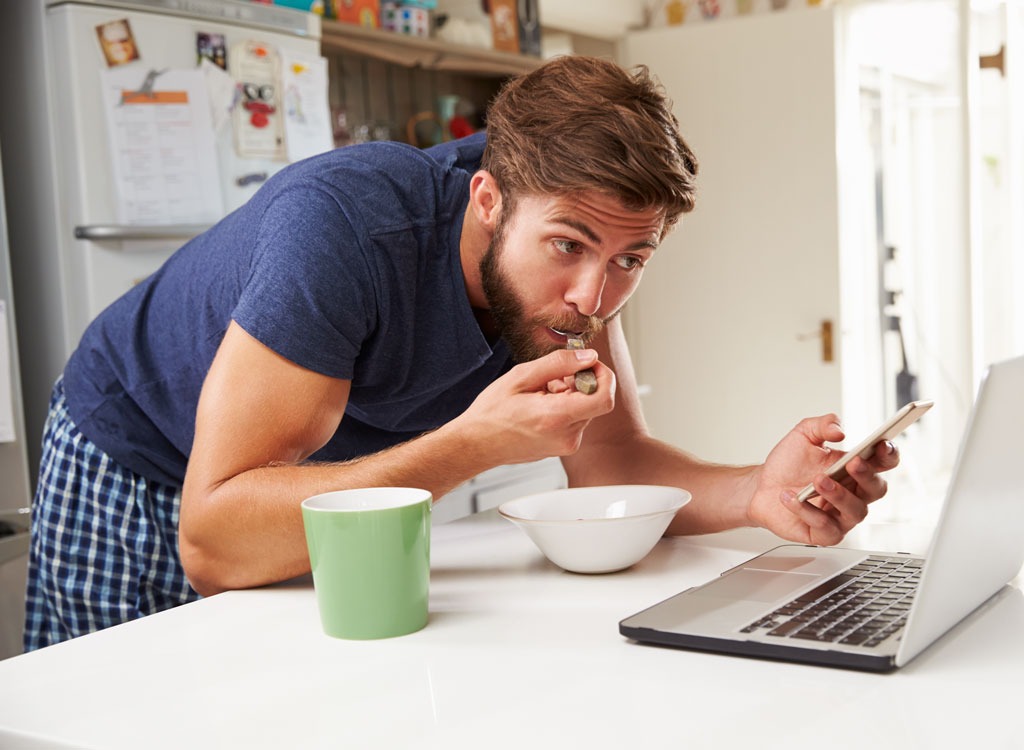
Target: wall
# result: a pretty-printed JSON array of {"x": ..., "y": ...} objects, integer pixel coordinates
[{"x": 602, "y": 19}]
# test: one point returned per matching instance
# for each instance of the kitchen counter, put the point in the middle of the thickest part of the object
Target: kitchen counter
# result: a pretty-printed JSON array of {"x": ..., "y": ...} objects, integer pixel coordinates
[{"x": 517, "y": 653}]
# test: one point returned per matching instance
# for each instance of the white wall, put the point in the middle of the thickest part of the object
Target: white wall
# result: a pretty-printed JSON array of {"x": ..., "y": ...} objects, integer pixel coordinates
[{"x": 604, "y": 19}]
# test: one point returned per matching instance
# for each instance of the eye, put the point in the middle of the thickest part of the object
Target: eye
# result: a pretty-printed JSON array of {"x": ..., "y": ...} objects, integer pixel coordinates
[
  {"x": 567, "y": 247},
  {"x": 629, "y": 262}
]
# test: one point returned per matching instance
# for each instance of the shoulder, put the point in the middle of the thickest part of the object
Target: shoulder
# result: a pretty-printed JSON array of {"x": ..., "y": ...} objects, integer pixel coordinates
[
  {"x": 388, "y": 161},
  {"x": 373, "y": 184},
  {"x": 464, "y": 154}
]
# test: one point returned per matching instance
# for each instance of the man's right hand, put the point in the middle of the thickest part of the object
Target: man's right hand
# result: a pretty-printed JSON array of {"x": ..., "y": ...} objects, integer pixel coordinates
[{"x": 531, "y": 413}]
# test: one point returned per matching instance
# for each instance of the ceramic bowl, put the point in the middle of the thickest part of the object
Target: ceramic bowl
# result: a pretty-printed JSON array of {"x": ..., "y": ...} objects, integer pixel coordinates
[{"x": 596, "y": 529}]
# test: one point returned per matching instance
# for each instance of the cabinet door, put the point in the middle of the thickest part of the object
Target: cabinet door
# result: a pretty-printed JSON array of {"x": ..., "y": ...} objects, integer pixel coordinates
[{"x": 724, "y": 328}]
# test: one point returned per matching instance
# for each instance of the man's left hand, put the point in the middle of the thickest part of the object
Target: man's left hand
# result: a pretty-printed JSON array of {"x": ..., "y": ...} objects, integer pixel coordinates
[{"x": 801, "y": 457}]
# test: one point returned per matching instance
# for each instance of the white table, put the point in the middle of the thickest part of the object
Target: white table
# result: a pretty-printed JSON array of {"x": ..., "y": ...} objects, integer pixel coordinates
[{"x": 517, "y": 654}]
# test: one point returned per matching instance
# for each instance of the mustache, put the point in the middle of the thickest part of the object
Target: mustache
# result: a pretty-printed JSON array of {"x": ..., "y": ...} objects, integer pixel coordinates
[{"x": 587, "y": 326}]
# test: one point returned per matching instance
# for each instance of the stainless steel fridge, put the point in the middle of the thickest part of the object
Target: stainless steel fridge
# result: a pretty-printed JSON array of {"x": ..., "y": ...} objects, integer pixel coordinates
[{"x": 87, "y": 220}]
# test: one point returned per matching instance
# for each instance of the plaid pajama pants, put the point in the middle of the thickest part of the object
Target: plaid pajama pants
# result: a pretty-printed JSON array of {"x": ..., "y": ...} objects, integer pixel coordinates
[{"x": 104, "y": 543}]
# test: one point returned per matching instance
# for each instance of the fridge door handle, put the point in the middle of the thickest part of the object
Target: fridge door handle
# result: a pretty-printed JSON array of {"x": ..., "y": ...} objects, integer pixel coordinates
[{"x": 116, "y": 232}]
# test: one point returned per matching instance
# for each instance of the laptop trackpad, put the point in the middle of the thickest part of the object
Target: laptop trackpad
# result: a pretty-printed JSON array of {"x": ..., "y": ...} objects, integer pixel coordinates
[{"x": 756, "y": 585}]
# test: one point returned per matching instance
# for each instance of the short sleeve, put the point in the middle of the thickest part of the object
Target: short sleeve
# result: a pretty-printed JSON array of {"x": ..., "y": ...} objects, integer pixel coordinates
[{"x": 310, "y": 294}]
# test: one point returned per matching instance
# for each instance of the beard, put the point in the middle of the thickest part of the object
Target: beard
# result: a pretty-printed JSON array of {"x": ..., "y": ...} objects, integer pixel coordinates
[{"x": 517, "y": 329}]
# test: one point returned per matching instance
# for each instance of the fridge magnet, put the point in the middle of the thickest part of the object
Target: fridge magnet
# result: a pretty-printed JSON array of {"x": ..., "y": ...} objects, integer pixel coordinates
[
  {"x": 117, "y": 42},
  {"x": 212, "y": 47}
]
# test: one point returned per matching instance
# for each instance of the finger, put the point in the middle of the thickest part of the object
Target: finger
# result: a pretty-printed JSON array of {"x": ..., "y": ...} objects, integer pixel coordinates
[
  {"x": 885, "y": 457},
  {"x": 559, "y": 385},
  {"x": 561, "y": 363},
  {"x": 870, "y": 485},
  {"x": 847, "y": 507},
  {"x": 824, "y": 527},
  {"x": 606, "y": 382},
  {"x": 821, "y": 430}
]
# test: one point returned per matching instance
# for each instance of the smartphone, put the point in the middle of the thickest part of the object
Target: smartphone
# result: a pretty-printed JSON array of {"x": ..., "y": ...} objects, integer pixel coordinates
[{"x": 887, "y": 431}]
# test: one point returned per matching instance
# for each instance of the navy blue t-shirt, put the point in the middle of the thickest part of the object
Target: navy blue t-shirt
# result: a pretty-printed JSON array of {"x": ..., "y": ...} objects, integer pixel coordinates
[{"x": 347, "y": 264}]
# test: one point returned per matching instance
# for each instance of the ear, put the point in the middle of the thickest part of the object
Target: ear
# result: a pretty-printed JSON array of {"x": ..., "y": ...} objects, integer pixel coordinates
[{"x": 485, "y": 199}]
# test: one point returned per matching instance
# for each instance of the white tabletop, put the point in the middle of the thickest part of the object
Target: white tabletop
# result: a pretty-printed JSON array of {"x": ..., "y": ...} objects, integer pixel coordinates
[{"x": 517, "y": 654}]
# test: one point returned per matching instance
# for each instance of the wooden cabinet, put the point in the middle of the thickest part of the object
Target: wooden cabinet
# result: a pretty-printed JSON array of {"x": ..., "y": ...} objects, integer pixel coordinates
[{"x": 382, "y": 83}]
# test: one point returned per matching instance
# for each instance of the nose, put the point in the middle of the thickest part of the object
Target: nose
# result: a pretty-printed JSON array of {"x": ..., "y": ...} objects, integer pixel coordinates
[{"x": 586, "y": 290}]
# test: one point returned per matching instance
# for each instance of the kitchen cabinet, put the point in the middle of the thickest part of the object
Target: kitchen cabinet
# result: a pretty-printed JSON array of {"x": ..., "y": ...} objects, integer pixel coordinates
[
  {"x": 383, "y": 83},
  {"x": 416, "y": 52}
]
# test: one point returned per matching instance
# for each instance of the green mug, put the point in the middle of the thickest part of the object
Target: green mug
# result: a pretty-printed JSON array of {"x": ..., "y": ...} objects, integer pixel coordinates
[{"x": 369, "y": 550}]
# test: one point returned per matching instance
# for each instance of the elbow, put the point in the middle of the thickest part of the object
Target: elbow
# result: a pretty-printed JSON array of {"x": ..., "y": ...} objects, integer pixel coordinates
[
  {"x": 202, "y": 553},
  {"x": 201, "y": 548},
  {"x": 203, "y": 572}
]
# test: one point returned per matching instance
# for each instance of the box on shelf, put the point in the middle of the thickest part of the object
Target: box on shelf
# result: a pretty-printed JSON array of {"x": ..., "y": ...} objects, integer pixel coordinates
[
  {"x": 529, "y": 27},
  {"x": 361, "y": 12},
  {"x": 406, "y": 18},
  {"x": 505, "y": 25},
  {"x": 320, "y": 7}
]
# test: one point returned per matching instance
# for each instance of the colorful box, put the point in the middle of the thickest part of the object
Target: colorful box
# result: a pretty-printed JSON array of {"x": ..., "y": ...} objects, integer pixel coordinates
[
  {"x": 360, "y": 12},
  {"x": 505, "y": 25},
  {"x": 405, "y": 18}
]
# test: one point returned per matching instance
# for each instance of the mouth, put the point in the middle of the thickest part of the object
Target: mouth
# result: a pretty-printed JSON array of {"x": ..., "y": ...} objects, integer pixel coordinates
[{"x": 566, "y": 334}]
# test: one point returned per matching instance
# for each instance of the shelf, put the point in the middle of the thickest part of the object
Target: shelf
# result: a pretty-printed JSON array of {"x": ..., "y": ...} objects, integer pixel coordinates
[{"x": 416, "y": 52}]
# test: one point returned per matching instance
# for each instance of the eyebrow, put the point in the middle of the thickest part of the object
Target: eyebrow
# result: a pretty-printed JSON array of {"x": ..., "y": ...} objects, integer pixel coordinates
[{"x": 586, "y": 231}]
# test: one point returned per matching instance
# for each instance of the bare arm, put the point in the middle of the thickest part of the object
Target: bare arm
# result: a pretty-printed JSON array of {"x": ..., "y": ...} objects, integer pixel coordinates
[
  {"x": 618, "y": 448},
  {"x": 261, "y": 416}
]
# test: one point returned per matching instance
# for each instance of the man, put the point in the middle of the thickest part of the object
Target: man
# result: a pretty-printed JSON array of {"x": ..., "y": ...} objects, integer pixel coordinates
[{"x": 357, "y": 324}]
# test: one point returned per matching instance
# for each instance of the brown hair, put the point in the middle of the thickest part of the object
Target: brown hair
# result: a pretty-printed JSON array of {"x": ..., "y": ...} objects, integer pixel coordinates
[{"x": 581, "y": 124}]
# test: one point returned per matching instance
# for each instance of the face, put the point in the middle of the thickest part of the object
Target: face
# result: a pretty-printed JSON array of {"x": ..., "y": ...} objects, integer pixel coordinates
[{"x": 561, "y": 266}]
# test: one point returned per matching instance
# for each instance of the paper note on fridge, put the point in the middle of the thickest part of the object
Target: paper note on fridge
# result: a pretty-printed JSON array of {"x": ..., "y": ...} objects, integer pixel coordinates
[
  {"x": 307, "y": 115},
  {"x": 163, "y": 146}
]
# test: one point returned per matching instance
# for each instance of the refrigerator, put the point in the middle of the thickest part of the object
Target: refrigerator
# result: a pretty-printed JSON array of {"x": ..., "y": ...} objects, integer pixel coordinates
[{"x": 130, "y": 127}]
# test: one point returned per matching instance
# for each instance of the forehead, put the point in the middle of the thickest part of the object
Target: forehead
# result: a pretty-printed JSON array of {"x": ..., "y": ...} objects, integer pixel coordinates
[{"x": 598, "y": 212}]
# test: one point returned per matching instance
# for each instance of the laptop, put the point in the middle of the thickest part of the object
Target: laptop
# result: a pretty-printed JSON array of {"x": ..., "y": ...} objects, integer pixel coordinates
[{"x": 873, "y": 611}]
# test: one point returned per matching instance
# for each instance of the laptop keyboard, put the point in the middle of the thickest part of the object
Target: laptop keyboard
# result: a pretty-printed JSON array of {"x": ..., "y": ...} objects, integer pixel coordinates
[{"x": 861, "y": 606}]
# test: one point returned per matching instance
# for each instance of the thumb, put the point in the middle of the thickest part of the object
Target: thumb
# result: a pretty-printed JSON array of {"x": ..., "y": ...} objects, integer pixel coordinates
[
  {"x": 823, "y": 429},
  {"x": 554, "y": 366}
]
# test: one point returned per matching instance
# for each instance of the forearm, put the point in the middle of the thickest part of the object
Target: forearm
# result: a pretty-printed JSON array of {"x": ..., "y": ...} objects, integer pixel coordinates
[
  {"x": 241, "y": 521},
  {"x": 248, "y": 531},
  {"x": 721, "y": 494}
]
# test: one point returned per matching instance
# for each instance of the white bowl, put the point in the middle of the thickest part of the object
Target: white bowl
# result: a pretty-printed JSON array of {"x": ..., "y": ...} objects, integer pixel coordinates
[{"x": 596, "y": 529}]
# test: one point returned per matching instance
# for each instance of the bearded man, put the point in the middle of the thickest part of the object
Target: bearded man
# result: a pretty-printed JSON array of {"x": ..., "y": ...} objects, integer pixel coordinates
[{"x": 385, "y": 316}]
